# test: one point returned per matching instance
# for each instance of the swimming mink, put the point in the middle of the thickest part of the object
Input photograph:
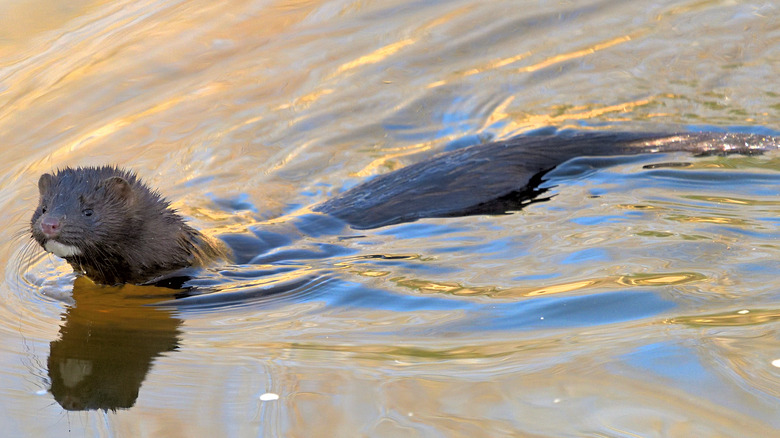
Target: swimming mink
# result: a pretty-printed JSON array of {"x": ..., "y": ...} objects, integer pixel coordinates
[{"x": 113, "y": 228}]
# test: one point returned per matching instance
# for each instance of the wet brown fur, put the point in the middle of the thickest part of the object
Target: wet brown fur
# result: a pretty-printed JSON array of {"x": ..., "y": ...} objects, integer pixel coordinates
[
  {"x": 133, "y": 236},
  {"x": 130, "y": 235}
]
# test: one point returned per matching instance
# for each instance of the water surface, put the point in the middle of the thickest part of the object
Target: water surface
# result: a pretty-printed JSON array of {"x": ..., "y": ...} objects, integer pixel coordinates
[{"x": 640, "y": 300}]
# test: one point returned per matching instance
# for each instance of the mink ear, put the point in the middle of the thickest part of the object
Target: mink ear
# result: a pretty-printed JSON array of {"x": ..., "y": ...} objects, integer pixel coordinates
[
  {"x": 119, "y": 187},
  {"x": 44, "y": 183}
]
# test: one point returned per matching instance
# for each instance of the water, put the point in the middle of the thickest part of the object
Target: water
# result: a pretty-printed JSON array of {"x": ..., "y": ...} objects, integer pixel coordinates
[{"x": 640, "y": 300}]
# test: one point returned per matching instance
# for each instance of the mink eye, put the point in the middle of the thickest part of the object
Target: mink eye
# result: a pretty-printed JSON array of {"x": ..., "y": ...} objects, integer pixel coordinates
[
  {"x": 43, "y": 209},
  {"x": 87, "y": 212}
]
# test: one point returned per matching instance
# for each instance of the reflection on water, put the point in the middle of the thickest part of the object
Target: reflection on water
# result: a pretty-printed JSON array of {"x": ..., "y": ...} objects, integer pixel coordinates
[
  {"x": 107, "y": 343},
  {"x": 640, "y": 300}
]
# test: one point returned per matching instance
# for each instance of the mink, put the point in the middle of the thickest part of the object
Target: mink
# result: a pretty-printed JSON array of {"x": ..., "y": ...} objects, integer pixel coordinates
[{"x": 114, "y": 229}]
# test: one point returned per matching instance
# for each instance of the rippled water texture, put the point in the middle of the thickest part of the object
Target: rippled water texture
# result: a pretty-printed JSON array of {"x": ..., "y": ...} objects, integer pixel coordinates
[{"x": 640, "y": 300}]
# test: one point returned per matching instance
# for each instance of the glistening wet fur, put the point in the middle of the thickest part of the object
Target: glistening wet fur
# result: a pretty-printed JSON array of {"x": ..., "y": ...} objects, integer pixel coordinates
[{"x": 113, "y": 228}]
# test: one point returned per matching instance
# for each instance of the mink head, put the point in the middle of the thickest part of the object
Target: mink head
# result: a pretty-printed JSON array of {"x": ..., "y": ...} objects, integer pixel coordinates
[
  {"x": 89, "y": 210},
  {"x": 110, "y": 226}
]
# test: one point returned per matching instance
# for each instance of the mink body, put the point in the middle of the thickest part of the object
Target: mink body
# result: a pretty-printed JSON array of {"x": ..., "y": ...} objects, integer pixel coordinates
[
  {"x": 113, "y": 228},
  {"x": 502, "y": 176}
]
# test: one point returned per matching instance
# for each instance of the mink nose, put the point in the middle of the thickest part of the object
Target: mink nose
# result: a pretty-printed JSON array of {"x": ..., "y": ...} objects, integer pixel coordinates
[{"x": 50, "y": 226}]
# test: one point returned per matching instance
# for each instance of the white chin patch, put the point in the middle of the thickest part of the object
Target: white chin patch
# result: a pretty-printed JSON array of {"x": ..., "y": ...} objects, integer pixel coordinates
[{"x": 61, "y": 250}]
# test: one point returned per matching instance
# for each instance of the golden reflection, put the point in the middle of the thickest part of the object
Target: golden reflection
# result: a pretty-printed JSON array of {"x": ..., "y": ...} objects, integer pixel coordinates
[
  {"x": 309, "y": 98},
  {"x": 498, "y": 63},
  {"x": 577, "y": 54},
  {"x": 503, "y": 62},
  {"x": 284, "y": 219},
  {"x": 376, "y": 56},
  {"x": 483, "y": 68},
  {"x": 564, "y": 287},
  {"x": 561, "y": 115},
  {"x": 643, "y": 280},
  {"x": 108, "y": 341},
  {"x": 24, "y": 20},
  {"x": 450, "y": 288},
  {"x": 405, "y": 353},
  {"x": 446, "y": 18},
  {"x": 499, "y": 112},
  {"x": 385, "y": 160},
  {"x": 661, "y": 234},
  {"x": 641, "y": 207},
  {"x": 736, "y": 201},
  {"x": 62, "y": 153},
  {"x": 586, "y": 112},
  {"x": 708, "y": 220},
  {"x": 721, "y": 200},
  {"x": 736, "y": 318},
  {"x": 237, "y": 219},
  {"x": 373, "y": 273},
  {"x": 667, "y": 279},
  {"x": 388, "y": 50}
]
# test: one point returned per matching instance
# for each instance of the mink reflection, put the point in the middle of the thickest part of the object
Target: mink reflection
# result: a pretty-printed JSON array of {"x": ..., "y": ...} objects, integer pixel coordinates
[{"x": 107, "y": 345}]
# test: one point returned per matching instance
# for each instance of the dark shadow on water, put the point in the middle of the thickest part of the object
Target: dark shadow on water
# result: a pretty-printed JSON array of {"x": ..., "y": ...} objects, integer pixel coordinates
[{"x": 108, "y": 342}]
